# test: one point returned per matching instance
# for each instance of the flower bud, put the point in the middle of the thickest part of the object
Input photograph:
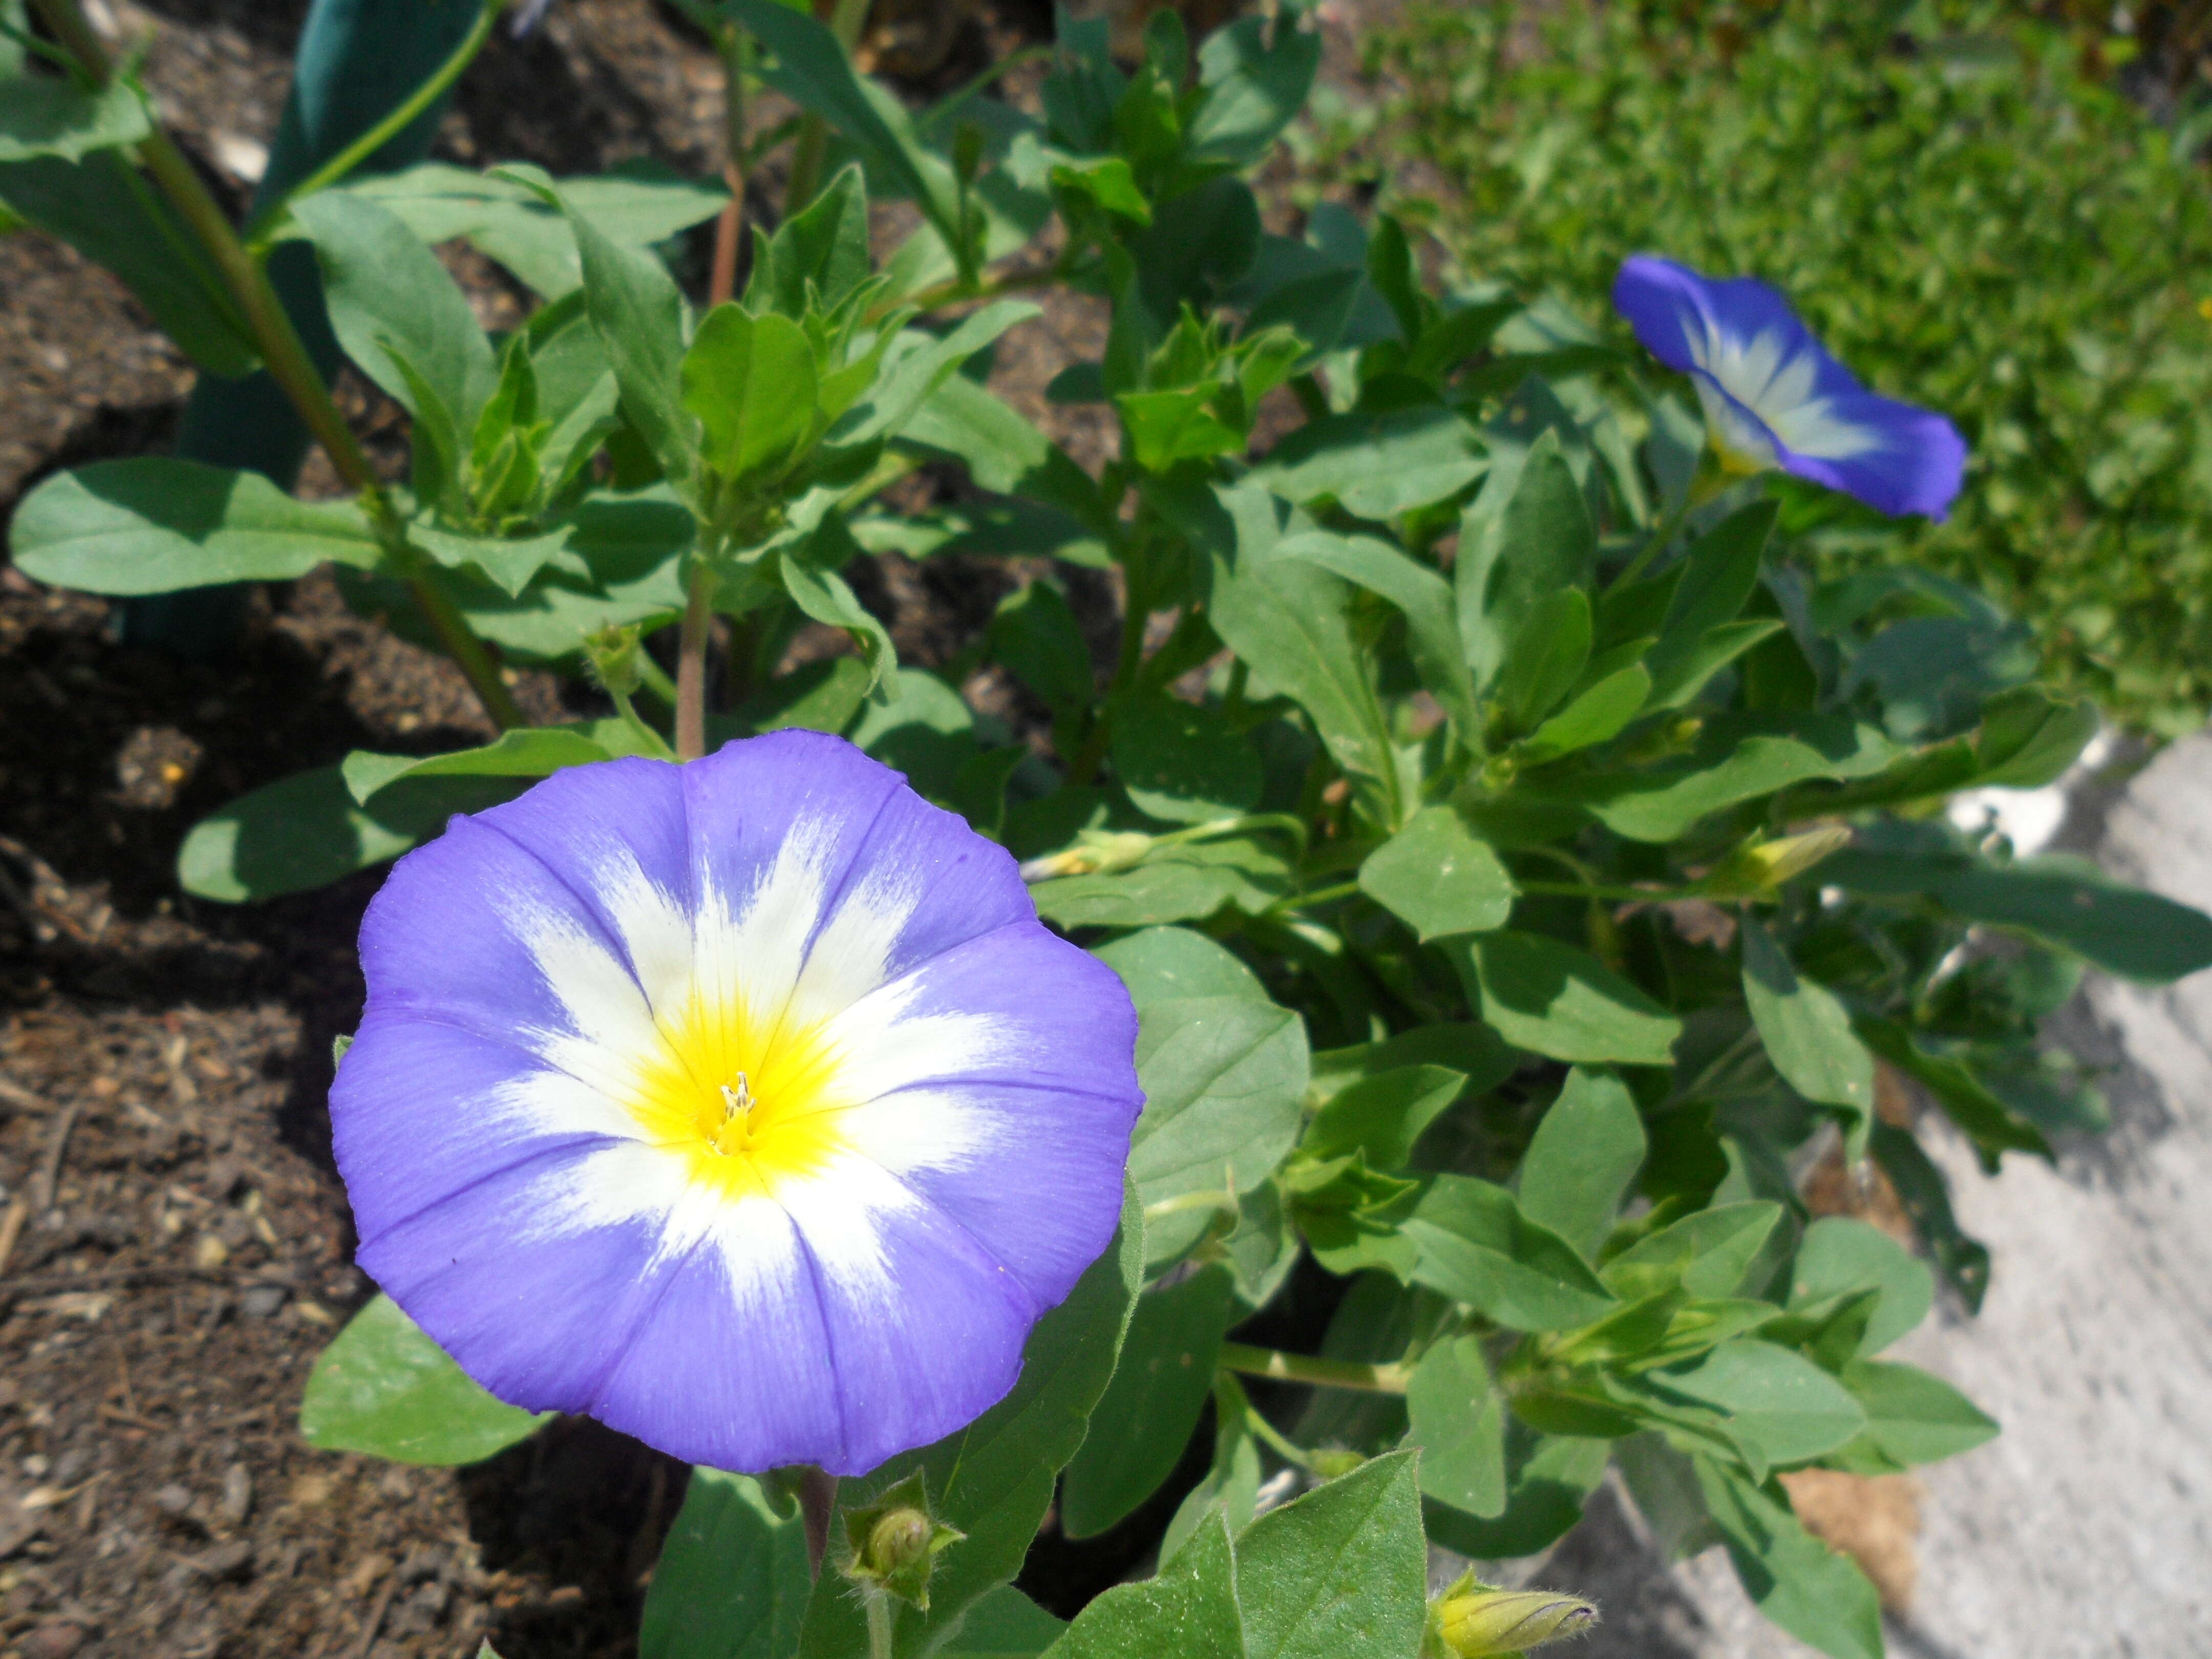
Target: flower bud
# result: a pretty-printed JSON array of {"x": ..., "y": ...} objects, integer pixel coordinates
[
  {"x": 1097, "y": 853},
  {"x": 1762, "y": 866},
  {"x": 613, "y": 652},
  {"x": 1473, "y": 1621},
  {"x": 896, "y": 1542}
]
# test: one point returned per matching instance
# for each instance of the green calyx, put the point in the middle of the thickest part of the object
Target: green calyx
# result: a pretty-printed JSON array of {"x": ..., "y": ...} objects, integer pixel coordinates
[{"x": 896, "y": 1541}]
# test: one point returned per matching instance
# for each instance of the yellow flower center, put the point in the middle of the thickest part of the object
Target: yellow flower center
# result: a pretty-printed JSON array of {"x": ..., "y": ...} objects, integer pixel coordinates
[{"x": 749, "y": 1100}]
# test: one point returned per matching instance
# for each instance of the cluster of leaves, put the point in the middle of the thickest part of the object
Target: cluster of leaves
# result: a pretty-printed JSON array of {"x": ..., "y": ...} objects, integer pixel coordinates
[
  {"x": 1962, "y": 215},
  {"x": 1520, "y": 866}
]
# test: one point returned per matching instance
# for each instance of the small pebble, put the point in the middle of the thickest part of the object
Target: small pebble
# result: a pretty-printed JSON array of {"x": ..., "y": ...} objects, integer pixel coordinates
[
  {"x": 262, "y": 1301},
  {"x": 56, "y": 1641},
  {"x": 210, "y": 1253},
  {"x": 173, "y": 1499},
  {"x": 237, "y": 1494},
  {"x": 234, "y": 1560}
]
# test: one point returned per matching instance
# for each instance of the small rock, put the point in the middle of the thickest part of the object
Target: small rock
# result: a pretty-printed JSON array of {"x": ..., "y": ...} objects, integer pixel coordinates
[
  {"x": 173, "y": 1499},
  {"x": 233, "y": 1562},
  {"x": 70, "y": 1467},
  {"x": 262, "y": 1301},
  {"x": 237, "y": 1494},
  {"x": 55, "y": 1641},
  {"x": 210, "y": 1253}
]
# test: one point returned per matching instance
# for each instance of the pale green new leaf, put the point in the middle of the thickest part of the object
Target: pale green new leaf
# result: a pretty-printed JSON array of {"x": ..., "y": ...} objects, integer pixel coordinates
[{"x": 383, "y": 1387}]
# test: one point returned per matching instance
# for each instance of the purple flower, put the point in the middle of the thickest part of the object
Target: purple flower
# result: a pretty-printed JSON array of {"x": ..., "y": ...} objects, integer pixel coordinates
[
  {"x": 745, "y": 1105},
  {"x": 1774, "y": 397}
]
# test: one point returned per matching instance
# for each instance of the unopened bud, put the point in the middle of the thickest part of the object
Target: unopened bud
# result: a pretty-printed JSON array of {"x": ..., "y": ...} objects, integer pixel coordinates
[
  {"x": 1097, "y": 854},
  {"x": 896, "y": 1542},
  {"x": 1473, "y": 1622},
  {"x": 613, "y": 650},
  {"x": 1762, "y": 866}
]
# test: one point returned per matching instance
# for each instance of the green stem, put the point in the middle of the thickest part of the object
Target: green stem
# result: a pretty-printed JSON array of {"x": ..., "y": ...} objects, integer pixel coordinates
[
  {"x": 845, "y": 22},
  {"x": 691, "y": 663},
  {"x": 389, "y": 128},
  {"x": 1313, "y": 901},
  {"x": 1014, "y": 281},
  {"x": 1285, "y": 1449},
  {"x": 651, "y": 740},
  {"x": 289, "y": 365},
  {"x": 654, "y": 679},
  {"x": 1310, "y": 1368},
  {"x": 878, "y": 1605},
  {"x": 1603, "y": 890}
]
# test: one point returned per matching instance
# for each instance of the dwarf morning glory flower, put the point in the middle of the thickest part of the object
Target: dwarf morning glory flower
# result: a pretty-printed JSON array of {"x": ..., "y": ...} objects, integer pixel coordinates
[
  {"x": 1774, "y": 397},
  {"x": 745, "y": 1105}
]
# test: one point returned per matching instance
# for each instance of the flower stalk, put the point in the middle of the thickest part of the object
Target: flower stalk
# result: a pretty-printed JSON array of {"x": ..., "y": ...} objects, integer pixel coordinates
[{"x": 1282, "y": 1367}]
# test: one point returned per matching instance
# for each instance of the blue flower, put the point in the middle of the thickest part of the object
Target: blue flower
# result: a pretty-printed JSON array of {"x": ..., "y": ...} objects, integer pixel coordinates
[
  {"x": 1774, "y": 397},
  {"x": 744, "y": 1105}
]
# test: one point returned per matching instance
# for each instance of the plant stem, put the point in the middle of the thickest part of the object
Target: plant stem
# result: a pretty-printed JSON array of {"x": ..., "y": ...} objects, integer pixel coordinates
[
  {"x": 736, "y": 53},
  {"x": 654, "y": 679},
  {"x": 290, "y": 366},
  {"x": 1588, "y": 891},
  {"x": 654, "y": 743},
  {"x": 878, "y": 1605},
  {"x": 1013, "y": 281},
  {"x": 1308, "y": 1368},
  {"x": 1326, "y": 896},
  {"x": 390, "y": 127},
  {"x": 691, "y": 663},
  {"x": 845, "y": 22},
  {"x": 1284, "y": 1448}
]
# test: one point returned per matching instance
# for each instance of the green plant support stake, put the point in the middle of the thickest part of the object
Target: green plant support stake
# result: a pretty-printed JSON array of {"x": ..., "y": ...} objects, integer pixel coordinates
[{"x": 358, "y": 59}]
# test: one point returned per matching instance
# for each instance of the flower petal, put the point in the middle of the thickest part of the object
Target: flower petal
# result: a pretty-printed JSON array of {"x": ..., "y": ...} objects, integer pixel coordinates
[{"x": 1773, "y": 396}]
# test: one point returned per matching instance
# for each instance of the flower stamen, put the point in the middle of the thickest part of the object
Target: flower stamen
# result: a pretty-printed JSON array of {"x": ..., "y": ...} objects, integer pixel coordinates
[{"x": 733, "y": 1137}]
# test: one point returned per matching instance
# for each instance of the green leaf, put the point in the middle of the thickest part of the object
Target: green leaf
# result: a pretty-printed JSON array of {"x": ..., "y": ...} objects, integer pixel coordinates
[
  {"x": 1597, "y": 713},
  {"x": 101, "y": 207},
  {"x": 536, "y": 752},
  {"x": 1438, "y": 877},
  {"x": 1375, "y": 466},
  {"x": 1004, "y": 1625},
  {"x": 1922, "y": 1189},
  {"x": 383, "y": 1387},
  {"x": 1224, "y": 1080},
  {"x": 1838, "y": 1256},
  {"x": 733, "y": 1581},
  {"x": 750, "y": 382},
  {"x": 1911, "y": 1417},
  {"x": 1677, "y": 682},
  {"x": 1738, "y": 759},
  {"x": 306, "y": 832},
  {"x": 1256, "y": 78},
  {"x": 1547, "y": 1478},
  {"x": 510, "y": 563},
  {"x": 1381, "y": 1117},
  {"x": 920, "y": 364},
  {"x": 1231, "y": 1486},
  {"x": 1139, "y": 1428},
  {"x": 1794, "y": 1579},
  {"x": 1458, "y": 1424},
  {"x": 1038, "y": 638},
  {"x": 640, "y": 317},
  {"x": 993, "y": 1481},
  {"x": 636, "y": 204},
  {"x": 1160, "y": 964},
  {"x": 1586, "y": 1151},
  {"x": 52, "y": 116},
  {"x": 1789, "y": 1406},
  {"x": 1424, "y": 598},
  {"x": 390, "y": 302},
  {"x": 926, "y": 732},
  {"x": 1188, "y": 1610},
  {"x": 1994, "y": 1128},
  {"x": 1477, "y": 1247},
  {"x": 1291, "y": 621},
  {"x": 811, "y": 69},
  {"x": 1181, "y": 762},
  {"x": 1001, "y": 450},
  {"x": 1181, "y": 884},
  {"x": 1341, "y": 1570},
  {"x": 1718, "y": 574},
  {"x": 2123, "y": 930},
  {"x": 150, "y": 524},
  {"x": 823, "y": 248},
  {"x": 1808, "y": 1034},
  {"x": 1546, "y": 659},
  {"x": 1553, "y": 999},
  {"x": 810, "y": 577},
  {"x": 1707, "y": 1254},
  {"x": 1474, "y": 1050},
  {"x": 1528, "y": 535}
]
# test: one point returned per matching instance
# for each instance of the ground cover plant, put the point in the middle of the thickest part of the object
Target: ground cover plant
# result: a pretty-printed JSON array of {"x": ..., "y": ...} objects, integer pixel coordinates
[
  {"x": 1967, "y": 202},
  {"x": 1505, "y": 855}
]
